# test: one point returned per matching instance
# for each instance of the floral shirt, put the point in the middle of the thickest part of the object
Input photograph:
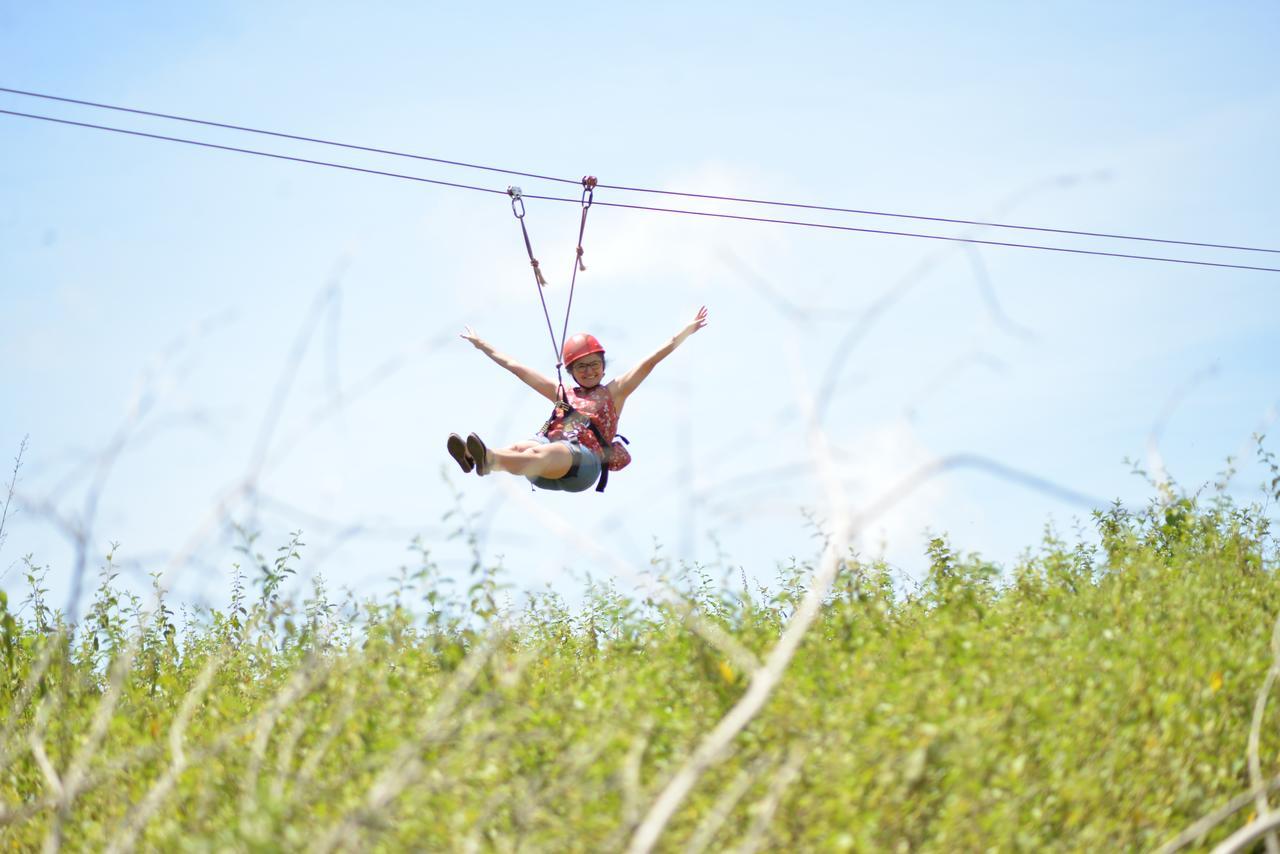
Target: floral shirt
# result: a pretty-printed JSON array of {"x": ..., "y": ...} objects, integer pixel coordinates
[{"x": 595, "y": 404}]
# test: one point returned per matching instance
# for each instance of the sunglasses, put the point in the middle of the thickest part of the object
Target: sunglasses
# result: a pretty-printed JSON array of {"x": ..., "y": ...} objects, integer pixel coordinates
[{"x": 594, "y": 364}]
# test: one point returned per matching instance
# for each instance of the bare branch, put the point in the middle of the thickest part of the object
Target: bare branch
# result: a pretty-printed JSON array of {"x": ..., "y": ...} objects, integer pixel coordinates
[
  {"x": 801, "y": 315},
  {"x": 949, "y": 372},
  {"x": 405, "y": 766},
  {"x": 307, "y": 769},
  {"x": 1211, "y": 820},
  {"x": 768, "y": 806},
  {"x": 717, "y": 637},
  {"x": 1255, "y": 736},
  {"x": 338, "y": 402},
  {"x": 284, "y": 755},
  {"x": 19, "y": 705},
  {"x": 715, "y": 744},
  {"x": 126, "y": 836},
  {"x": 74, "y": 777},
  {"x": 983, "y": 277},
  {"x": 284, "y": 383},
  {"x": 1154, "y": 460},
  {"x": 953, "y": 462},
  {"x": 227, "y": 739},
  {"x": 895, "y": 292},
  {"x": 706, "y": 831},
  {"x": 35, "y": 739},
  {"x": 729, "y": 646},
  {"x": 630, "y": 777},
  {"x": 301, "y": 683},
  {"x": 13, "y": 482},
  {"x": 1249, "y": 834}
]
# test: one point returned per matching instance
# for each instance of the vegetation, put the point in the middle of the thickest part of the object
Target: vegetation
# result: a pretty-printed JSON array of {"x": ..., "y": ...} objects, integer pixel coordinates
[{"x": 1096, "y": 696}]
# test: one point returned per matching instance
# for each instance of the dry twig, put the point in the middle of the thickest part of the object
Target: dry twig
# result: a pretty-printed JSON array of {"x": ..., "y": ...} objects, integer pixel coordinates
[
  {"x": 405, "y": 766},
  {"x": 764, "y": 679},
  {"x": 1208, "y": 822},
  {"x": 74, "y": 778},
  {"x": 706, "y": 831},
  {"x": 8, "y": 498},
  {"x": 768, "y": 806},
  {"x": 1255, "y": 736}
]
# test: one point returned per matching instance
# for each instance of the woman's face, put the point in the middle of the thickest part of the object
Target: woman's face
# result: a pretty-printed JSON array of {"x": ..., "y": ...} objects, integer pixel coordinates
[{"x": 588, "y": 370}]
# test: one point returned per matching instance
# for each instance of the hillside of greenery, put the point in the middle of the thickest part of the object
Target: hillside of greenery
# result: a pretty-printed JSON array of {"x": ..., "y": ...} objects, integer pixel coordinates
[{"x": 1096, "y": 696}]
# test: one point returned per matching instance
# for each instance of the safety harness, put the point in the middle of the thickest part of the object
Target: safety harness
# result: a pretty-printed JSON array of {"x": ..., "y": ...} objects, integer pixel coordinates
[{"x": 565, "y": 411}]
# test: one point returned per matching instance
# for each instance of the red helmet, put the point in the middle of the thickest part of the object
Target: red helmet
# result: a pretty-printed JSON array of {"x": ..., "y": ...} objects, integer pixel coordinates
[{"x": 580, "y": 345}]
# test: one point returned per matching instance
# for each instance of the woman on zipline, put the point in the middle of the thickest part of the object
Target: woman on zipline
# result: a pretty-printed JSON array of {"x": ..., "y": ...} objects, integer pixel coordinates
[{"x": 568, "y": 453}]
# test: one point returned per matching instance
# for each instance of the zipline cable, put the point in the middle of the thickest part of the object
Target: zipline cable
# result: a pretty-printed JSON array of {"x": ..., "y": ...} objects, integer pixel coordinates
[
  {"x": 739, "y": 217},
  {"x": 948, "y": 220},
  {"x": 890, "y": 233},
  {"x": 628, "y": 189},
  {"x": 250, "y": 151},
  {"x": 281, "y": 135}
]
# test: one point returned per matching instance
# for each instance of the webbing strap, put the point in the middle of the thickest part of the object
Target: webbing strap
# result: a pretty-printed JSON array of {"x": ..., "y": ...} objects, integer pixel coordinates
[
  {"x": 588, "y": 196},
  {"x": 517, "y": 208}
]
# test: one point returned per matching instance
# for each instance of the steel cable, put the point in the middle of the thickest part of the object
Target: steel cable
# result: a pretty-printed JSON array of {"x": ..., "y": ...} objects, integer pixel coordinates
[
  {"x": 621, "y": 205},
  {"x": 629, "y": 189}
]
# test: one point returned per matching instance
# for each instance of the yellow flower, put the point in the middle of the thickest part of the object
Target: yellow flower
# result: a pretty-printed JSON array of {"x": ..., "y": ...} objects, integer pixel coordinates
[{"x": 1215, "y": 681}]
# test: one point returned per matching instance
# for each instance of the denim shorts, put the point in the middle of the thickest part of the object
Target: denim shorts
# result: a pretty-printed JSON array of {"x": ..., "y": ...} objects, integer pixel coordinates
[{"x": 588, "y": 465}]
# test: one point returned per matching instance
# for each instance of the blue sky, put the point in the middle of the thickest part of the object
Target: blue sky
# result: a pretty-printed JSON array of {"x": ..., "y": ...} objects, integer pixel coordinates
[{"x": 130, "y": 265}]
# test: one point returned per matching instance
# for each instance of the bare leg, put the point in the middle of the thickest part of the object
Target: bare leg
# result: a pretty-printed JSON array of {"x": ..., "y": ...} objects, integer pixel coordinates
[{"x": 534, "y": 459}]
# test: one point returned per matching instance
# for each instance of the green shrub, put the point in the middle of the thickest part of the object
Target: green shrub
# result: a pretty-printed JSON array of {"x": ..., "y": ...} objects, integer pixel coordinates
[{"x": 1089, "y": 698}]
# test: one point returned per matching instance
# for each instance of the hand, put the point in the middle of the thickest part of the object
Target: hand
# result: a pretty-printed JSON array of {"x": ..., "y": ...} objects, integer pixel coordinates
[
  {"x": 470, "y": 335},
  {"x": 698, "y": 322}
]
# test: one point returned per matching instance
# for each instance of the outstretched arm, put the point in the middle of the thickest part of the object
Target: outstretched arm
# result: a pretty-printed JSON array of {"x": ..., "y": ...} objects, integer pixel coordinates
[
  {"x": 528, "y": 376},
  {"x": 629, "y": 381}
]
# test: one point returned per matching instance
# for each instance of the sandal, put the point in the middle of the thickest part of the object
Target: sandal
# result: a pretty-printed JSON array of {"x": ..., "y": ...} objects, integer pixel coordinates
[
  {"x": 458, "y": 450},
  {"x": 482, "y": 456}
]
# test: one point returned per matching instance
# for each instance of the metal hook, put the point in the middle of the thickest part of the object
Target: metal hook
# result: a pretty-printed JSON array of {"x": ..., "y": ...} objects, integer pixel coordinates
[{"x": 588, "y": 190}]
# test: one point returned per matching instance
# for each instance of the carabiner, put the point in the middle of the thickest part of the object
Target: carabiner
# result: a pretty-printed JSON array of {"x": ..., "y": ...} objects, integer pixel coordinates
[
  {"x": 517, "y": 198},
  {"x": 588, "y": 190}
]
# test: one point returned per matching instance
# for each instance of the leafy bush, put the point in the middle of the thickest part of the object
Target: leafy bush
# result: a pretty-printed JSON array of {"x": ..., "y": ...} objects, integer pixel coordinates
[{"x": 1093, "y": 697}]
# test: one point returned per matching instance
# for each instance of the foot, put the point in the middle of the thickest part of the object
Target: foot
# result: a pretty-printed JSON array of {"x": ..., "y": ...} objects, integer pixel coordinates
[
  {"x": 483, "y": 456},
  {"x": 458, "y": 450}
]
